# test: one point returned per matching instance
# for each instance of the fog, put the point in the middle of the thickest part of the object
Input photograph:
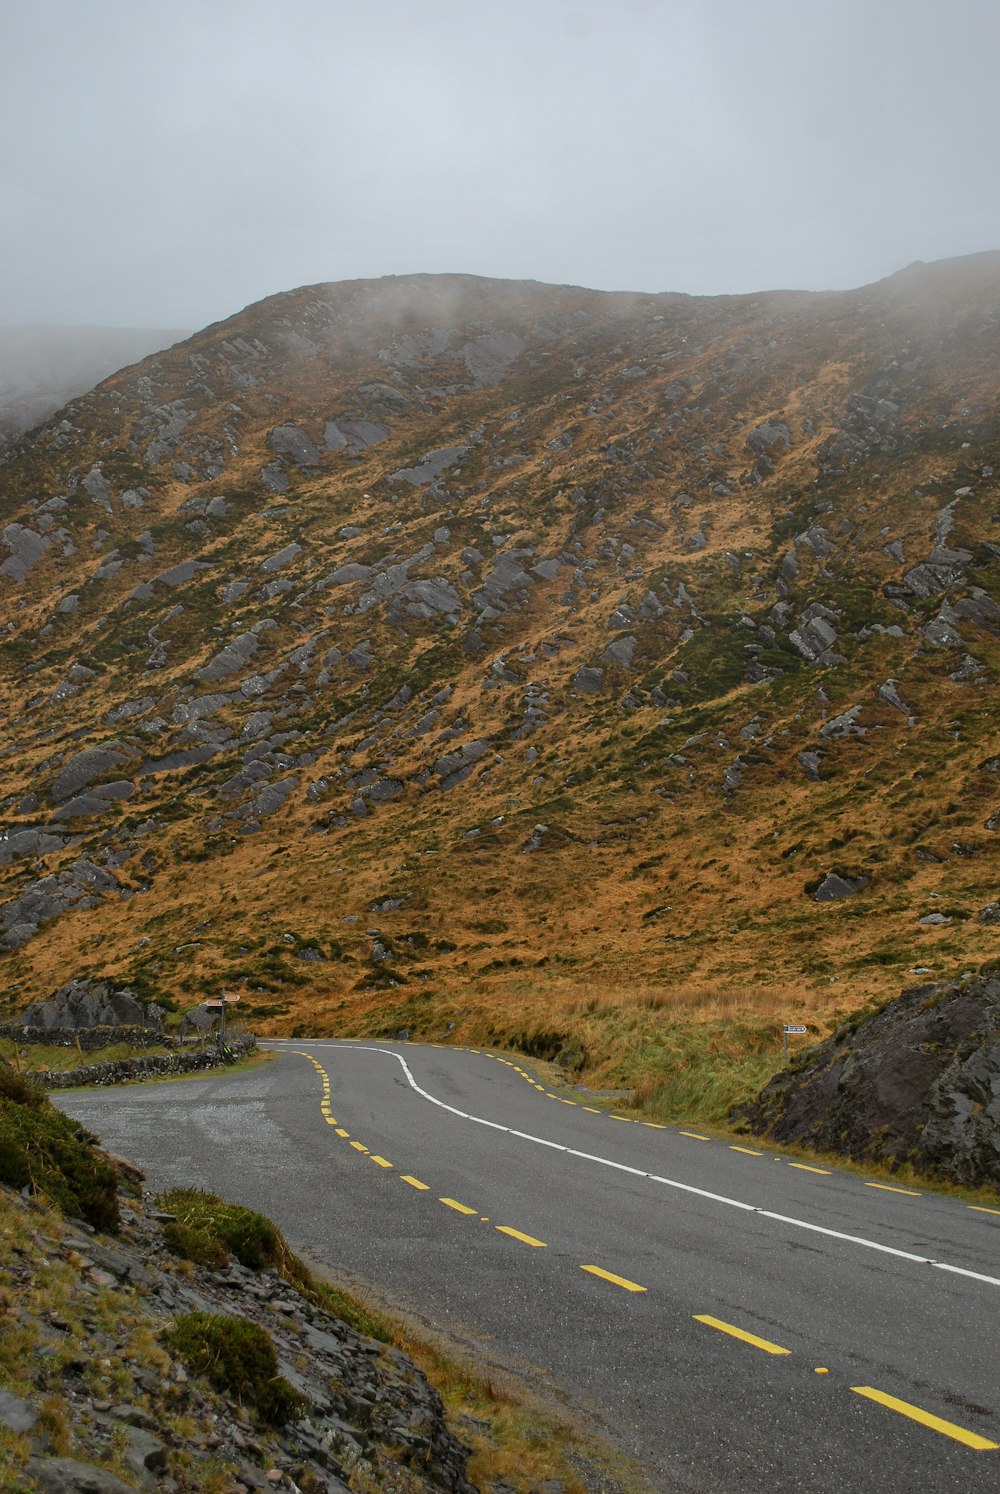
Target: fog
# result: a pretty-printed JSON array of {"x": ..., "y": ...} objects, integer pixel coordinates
[{"x": 164, "y": 165}]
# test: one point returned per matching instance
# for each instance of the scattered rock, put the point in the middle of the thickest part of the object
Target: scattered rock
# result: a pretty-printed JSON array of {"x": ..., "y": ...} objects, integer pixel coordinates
[{"x": 833, "y": 887}]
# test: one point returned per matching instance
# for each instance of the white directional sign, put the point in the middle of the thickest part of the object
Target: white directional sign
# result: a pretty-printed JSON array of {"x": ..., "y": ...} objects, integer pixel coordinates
[{"x": 790, "y": 1028}]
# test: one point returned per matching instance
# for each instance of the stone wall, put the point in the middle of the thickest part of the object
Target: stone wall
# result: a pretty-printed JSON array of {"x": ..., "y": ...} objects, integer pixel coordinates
[{"x": 122, "y": 1070}]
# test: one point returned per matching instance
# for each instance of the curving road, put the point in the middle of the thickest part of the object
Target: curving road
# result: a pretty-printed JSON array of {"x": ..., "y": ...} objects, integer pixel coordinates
[{"x": 740, "y": 1320}]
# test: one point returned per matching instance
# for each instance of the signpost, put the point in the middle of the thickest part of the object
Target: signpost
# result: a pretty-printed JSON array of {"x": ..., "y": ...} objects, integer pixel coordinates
[
  {"x": 218, "y": 1004},
  {"x": 790, "y": 1027}
]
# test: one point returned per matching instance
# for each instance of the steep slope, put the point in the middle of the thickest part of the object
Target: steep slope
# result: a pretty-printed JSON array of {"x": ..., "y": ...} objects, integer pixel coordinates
[{"x": 541, "y": 661}]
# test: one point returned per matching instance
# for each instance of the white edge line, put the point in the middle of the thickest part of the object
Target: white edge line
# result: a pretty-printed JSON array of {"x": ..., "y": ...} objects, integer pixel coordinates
[{"x": 733, "y": 1203}]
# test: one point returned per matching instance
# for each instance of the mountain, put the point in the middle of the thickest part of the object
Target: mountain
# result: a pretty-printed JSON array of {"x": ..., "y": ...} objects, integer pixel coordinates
[
  {"x": 514, "y": 660},
  {"x": 42, "y": 367}
]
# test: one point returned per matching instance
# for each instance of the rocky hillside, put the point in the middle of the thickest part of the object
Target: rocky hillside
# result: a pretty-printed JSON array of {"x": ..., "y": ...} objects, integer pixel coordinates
[
  {"x": 505, "y": 658},
  {"x": 917, "y": 1082}
]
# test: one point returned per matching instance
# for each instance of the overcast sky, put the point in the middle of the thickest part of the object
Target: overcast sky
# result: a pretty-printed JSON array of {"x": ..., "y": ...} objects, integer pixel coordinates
[{"x": 165, "y": 162}]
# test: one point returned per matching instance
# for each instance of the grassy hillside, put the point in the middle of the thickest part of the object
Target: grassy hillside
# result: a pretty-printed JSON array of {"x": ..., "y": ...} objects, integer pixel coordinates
[{"x": 515, "y": 662}]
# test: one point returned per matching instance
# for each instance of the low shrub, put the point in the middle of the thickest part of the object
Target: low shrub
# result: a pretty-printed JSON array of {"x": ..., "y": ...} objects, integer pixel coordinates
[
  {"x": 237, "y": 1357},
  {"x": 42, "y": 1149}
]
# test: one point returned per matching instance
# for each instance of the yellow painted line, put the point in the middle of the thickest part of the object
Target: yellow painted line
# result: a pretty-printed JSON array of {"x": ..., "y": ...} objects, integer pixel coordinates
[
  {"x": 623, "y": 1118},
  {"x": 405, "y": 1177},
  {"x": 380, "y": 1160},
  {"x": 653, "y": 1125},
  {"x": 695, "y": 1136},
  {"x": 516, "y": 1234},
  {"x": 741, "y": 1333},
  {"x": 936, "y": 1423},
  {"x": 359, "y": 1146},
  {"x": 885, "y": 1188},
  {"x": 804, "y": 1167},
  {"x": 330, "y": 1120},
  {"x": 593, "y": 1109},
  {"x": 567, "y": 1102},
  {"x": 618, "y": 1281},
  {"x": 746, "y": 1150},
  {"x": 550, "y": 1096},
  {"x": 981, "y": 1209},
  {"x": 461, "y": 1208},
  {"x": 342, "y": 1132}
]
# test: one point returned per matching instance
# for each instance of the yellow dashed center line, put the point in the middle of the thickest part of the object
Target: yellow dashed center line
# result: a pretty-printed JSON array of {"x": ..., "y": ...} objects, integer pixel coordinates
[
  {"x": 453, "y": 1203},
  {"x": 405, "y": 1177},
  {"x": 342, "y": 1132},
  {"x": 804, "y": 1167},
  {"x": 359, "y": 1146},
  {"x": 886, "y": 1188},
  {"x": 330, "y": 1120},
  {"x": 741, "y": 1333},
  {"x": 380, "y": 1160},
  {"x": 926, "y": 1419},
  {"x": 618, "y": 1281},
  {"x": 515, "y": 1234}
]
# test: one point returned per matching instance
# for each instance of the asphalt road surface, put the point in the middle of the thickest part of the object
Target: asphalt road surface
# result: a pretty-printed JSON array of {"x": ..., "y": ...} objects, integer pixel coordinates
[{"x": 739, "y": 1320}]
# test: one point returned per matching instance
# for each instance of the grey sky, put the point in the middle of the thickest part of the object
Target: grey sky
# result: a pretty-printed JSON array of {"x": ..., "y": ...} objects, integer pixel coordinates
[{"x": 166, "y": 163}]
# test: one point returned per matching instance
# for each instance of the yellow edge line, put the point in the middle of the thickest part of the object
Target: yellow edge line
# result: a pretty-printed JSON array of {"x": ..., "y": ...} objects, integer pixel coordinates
[
  {"x": 414, "y": 1182},
  {"x": 804, "y": 1167},
  {"x": 342, "y": 1132},
  {"x": 936, "y": 1423},
  {"x": 592, "y": 1109},
  {"x": 330, "y": 1120},
  {"x": 619, "y": 1281},
  {"x": 981, "y": 1209},
  {"x": 461, "y": 1208},
  {"x": 910, "y": 1192},
  {"x": 515, "y": 1234},
  {"x": 741, "y": 1333},
  {"x": 747, "y": 1151},
  {"x": 380, "y": 1160},
  {"x": 695, "y": 1136},
  {"x": 359, "y": 1146}
]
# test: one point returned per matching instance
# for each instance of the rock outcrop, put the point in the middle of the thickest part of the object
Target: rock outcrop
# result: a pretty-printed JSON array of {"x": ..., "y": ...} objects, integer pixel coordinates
[
  {"x": 917, "y": 1082},
  {"x": 86, "y": 1003}
]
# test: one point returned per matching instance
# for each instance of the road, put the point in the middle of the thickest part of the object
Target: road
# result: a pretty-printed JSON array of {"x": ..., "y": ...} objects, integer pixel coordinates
[{"x": 738, "y": 1319}]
